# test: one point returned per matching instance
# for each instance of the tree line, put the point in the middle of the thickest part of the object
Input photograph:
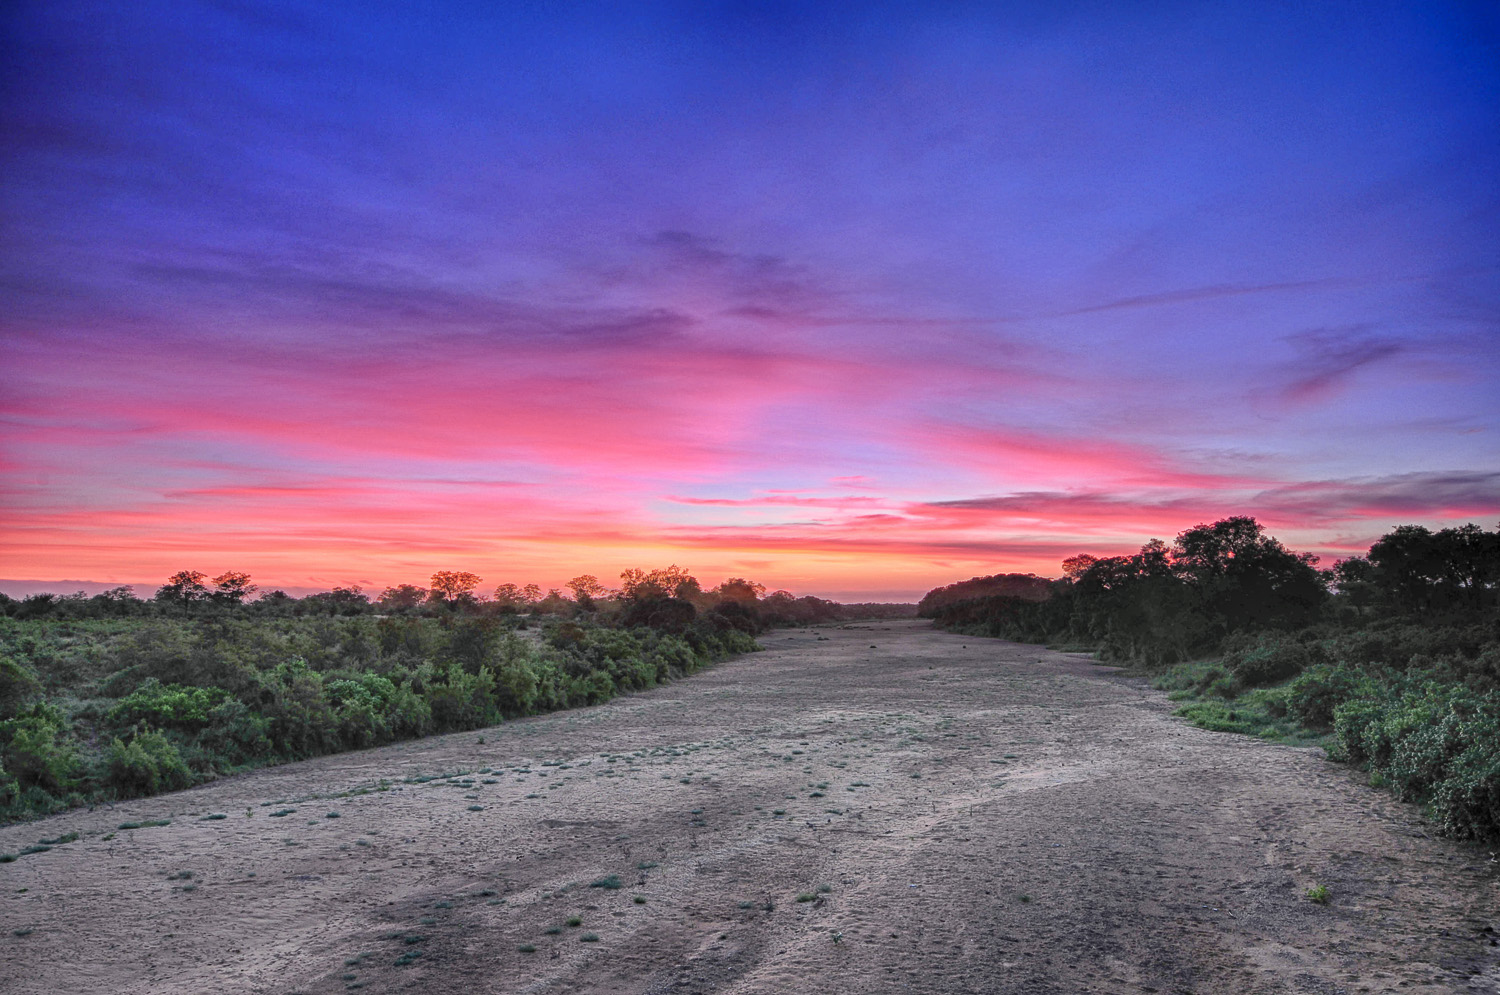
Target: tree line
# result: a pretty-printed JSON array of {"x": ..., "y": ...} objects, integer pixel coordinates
[
  {"x": 1391, "y": 658},
  {"x": 670, "y": 591}
]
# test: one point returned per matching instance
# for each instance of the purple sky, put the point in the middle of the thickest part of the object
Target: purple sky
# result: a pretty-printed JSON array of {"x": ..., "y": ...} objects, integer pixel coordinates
[{"x": 854, "y": 301}]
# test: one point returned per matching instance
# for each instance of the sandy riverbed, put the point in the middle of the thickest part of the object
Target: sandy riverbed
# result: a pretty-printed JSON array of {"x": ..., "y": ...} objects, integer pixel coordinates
[{"x": 970, "y": 815}]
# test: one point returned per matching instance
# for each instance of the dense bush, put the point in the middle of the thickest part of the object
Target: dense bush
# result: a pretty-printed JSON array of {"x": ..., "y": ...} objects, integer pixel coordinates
[
  {"x": 1315, "y": 695},
  {"x": 149, "y": 764},
  {"x": 1434, "y": 743},
  {"x": 37, "y": 751},
  {"x": 173, "y": 701},
  {"x": 1268, "y": 658}
]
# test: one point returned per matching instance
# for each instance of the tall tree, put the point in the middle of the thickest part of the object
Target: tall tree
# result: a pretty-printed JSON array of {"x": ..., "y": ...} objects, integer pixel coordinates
[
  {"x": 184, "y": 586},
  {"x": 402, "y": 596},
  {"x": 233, "y": 586},
  {"x": 449, "y": 586}
]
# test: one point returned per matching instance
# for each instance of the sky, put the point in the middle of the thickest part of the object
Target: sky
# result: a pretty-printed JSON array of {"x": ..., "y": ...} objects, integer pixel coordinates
[{"x": 851, "y": 299}]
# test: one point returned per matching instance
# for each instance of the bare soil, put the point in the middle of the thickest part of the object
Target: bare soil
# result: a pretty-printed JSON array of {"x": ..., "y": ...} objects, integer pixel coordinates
[{"x": 965, "y": 816}]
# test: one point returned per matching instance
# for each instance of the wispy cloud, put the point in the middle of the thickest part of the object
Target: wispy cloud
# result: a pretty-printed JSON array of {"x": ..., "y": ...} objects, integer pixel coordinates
[{"x": 1328, "y": 360}]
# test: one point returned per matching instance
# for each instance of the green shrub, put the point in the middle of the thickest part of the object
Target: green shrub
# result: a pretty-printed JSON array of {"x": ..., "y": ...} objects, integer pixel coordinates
[
  {"x": 463, "y": 700},
  {"x": 149, "y": 764},
  {"x": 1437, "y": 744},
  {"x": 302, "y": 723},
  {"x": 18, "y": 685},
  {"x": 235, "y": 735},
  {"x": 1320, "y": 690},
  {"x": 166, "y": 706},
  {"x": 36, "y": 751},
  {"x": 1467, "y": 801},
  {"x": 1351, "y": 720},
  {"x": 1271, "y": 658},
  {"x": 10, "y": 788}
]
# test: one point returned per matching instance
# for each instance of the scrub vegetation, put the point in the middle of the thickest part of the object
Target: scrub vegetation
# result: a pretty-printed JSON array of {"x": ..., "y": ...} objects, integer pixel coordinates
[
  {"x": 113, "y": 697},
  {"x": 1390, "y": 660}
]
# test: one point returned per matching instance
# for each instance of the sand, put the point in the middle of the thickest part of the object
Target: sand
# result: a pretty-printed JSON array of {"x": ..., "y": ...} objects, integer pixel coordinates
[{"x": 964, "y": 815}]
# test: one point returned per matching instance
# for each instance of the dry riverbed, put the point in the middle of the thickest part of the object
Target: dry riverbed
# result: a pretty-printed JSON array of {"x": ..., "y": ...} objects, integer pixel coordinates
[{"x": 873, "y": 808}]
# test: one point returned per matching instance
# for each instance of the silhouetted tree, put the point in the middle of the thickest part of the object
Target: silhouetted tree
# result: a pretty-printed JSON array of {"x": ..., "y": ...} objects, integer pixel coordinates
[
  {"x": 449, "y": 586},
  {"x": 185, "y": 586},
  {"x": 402, "y": 597},
  {"x": 233, "y": 587}
]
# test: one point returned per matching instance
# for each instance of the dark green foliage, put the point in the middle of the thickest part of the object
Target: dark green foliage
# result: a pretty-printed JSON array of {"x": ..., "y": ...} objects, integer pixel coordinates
[
  {"x": 1434, "y": 743},
  {"x": 36, "y": 751},
  {"x": 1320, "y": 690},
  {"x": 110, "y": 707},
  {"x": 1019, "y": 587},
  {"x": 18, "y": 686},
  {"x": 169, "y": 706},
  {"x": 661, "y": 613},
  {"x": 149, "y": 764},
  {"x": 1163, "y": 605},
  {"x": 1267, "y": 658}
]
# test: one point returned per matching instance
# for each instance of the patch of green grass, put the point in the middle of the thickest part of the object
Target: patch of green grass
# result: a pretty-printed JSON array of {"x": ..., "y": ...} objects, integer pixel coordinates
[
  {"x": 824, "y": 889},
  {"x": 38, "y": 848},
  {"x": 476, "y": 808},
  {"x": 332, "y": 815},
  {"x": 552, "y": 930},
  {"x": 215, "y": 817},
  {"x": 180, "y": 876},
  {"x": 408, "y": 957},
  {"x": 526, "y": 948},
  {"x": 640, "y": 899},
  {"x": 1247, "y": 715},
  {"x": 60, "y": 840},
  {"x": 807, "y": 896},
  {"x": 646, "y": 865},
  {"x": 574, "y": 921},
  {"x": 609, "y": 882},
  {"x": 589, "y": 938},
  {"x": 1318, "y": 894},
  {"x": 283, "y": 812},
  {"x": 23, "y": 931},
  {"x": 144, "y": 824},
  {"x": 1025, "y": 899},
  {"x": 8, "y": 858}
]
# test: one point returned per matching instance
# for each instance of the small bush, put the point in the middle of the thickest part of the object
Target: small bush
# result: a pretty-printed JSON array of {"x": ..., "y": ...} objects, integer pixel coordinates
[
  {"x": 166, "y": 706},
  {"x": 1318, "y": 692},
  {"x": 1272, "y": 658},
  {"x": 36, "y": 752},
  {"x": 149, "y": 764}
]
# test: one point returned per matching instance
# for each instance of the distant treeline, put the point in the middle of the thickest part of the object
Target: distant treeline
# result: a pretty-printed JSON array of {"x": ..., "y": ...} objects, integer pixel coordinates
[
  {"x": 190, "y": 593},
  {"x": 1394, "y": 656},
  {"x": 113, "y": 697}
]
